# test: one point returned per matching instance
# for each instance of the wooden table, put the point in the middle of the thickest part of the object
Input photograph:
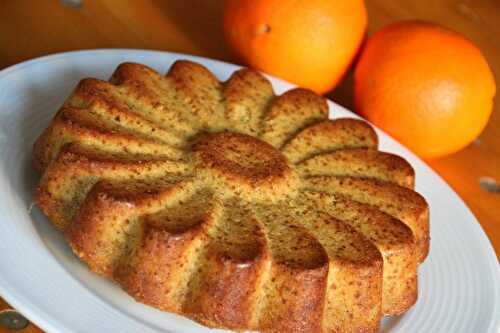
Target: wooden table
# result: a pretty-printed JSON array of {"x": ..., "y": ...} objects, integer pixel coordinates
[{"x": 31, "y": 28}]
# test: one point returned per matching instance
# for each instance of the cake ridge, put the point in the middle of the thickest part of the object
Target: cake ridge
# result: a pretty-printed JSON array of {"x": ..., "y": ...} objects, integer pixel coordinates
[{"x": 359, "y": 162}]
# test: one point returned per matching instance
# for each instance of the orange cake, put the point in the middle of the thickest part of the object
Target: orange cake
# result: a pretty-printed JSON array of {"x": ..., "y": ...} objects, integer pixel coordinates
[{"x": 225, "y": 203}]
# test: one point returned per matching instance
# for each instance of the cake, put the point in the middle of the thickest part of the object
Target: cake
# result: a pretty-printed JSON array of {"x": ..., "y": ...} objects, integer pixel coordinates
[{"x": 225, "y": 203}]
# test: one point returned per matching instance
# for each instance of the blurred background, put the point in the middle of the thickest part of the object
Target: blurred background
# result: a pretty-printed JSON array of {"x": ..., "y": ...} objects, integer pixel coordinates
[{"x": 32, "y": 28}]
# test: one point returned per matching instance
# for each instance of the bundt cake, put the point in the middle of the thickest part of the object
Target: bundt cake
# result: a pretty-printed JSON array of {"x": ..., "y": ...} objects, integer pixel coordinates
[{"x": 232, "y": 206}]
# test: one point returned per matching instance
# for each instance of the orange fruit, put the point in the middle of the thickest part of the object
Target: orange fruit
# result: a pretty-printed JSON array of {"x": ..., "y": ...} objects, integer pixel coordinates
[
  {"x": 308, "y": 42},
  {"x": 427, "y": 86}
]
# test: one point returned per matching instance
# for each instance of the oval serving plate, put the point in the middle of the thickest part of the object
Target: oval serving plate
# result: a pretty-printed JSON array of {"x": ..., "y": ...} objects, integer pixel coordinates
[{"x": 459, "y": 283}]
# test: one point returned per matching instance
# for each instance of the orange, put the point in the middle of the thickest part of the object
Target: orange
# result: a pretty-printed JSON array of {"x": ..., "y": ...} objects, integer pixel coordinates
[
  {"x": 427, "y": 86},
  {"x": 308, "y": 42}
]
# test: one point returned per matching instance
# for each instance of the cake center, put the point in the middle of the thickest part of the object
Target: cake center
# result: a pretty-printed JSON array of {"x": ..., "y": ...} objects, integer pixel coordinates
[{"x": 244, "y": 164}]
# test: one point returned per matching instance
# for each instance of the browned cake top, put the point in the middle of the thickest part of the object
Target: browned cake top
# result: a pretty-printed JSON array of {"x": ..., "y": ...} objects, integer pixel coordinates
[{"x": 245, "y": 164}]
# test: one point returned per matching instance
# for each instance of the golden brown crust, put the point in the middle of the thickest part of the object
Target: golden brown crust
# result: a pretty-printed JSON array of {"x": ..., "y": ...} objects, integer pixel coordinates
[
  {"x": 175, "y": 188},
  {"x": 243, "y": 164},
  {"x": 289, "y": 113},
  {"x": 297, "y": 300},
  {"x": 154, "y": 98},
  {"x": 226, "y": 292},
  {"x": 353, "y": 299},
  {"x": 201, "y": 91},
  {"x": 293, "y": 288},
  {"x": 404, "y": 204},
  {"x": 247, "y": 95},
  {"x": 303, "y": 239},
  {"x": 360, "y": 162},
  {"x": 108, "y": 222},
  {"x": 105, "y": 104},
  {"x": 330, "y": 135},
  {"x": 242, "y": 156},
  {"x": 226, "y": 288},
  {"x": 68, "y": 128},
  {"x": 100, "y": 230},
  {"x": 68, "y": 179},
  {"x": 393, "y": 239},
  {"x": 351, "y": 303},
  {"x": 148, "y": 274}
]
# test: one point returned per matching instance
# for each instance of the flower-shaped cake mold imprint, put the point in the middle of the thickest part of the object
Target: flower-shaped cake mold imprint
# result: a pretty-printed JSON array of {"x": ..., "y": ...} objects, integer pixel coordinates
[{"x": 227, "y": 204}]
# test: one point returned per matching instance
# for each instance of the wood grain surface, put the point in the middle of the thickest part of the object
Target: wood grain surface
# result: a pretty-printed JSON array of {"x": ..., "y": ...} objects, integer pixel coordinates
[{"x": 32, "y": 28}]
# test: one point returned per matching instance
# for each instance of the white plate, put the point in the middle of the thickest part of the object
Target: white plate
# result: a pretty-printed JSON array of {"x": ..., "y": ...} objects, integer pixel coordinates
[{"x": 459, "y": 283}]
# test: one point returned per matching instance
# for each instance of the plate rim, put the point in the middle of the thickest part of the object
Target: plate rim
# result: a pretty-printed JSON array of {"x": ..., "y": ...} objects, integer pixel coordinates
[{"x": 46, "y": 321}]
